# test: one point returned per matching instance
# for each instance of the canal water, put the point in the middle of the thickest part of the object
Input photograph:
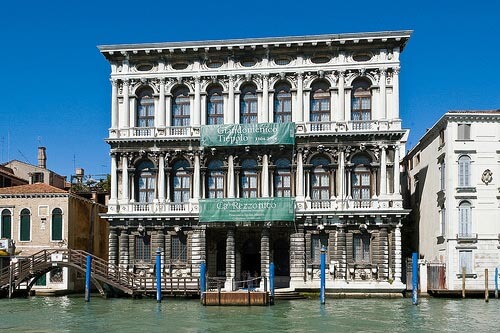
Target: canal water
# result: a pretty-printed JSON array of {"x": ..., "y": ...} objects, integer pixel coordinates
[{"x": 73, "y": 314}]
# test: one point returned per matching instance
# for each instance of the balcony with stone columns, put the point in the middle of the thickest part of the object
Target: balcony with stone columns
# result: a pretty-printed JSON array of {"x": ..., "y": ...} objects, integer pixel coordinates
[
  {"x": 155, "y": 132},
  {"x": 338, "y": 204},
  {"x": 177, "y": 208},
  {"x": 348, "y": 126}
]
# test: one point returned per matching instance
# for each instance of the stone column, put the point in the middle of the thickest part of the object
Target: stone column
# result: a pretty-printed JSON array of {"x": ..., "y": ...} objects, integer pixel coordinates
[
  {"x": 383, "y": 95},
  {"x": 299, "y": 107},
  {"x": 342, "y": 112},
  {"x": 196, "y": 177},
  {"x": 113, "y": 200},
  {"x": 341, "y": 175},
  {"x": 383, "y": 172},
  {"x": 230, "y": 259},
  {"x": 160, "y": 243},
  {"x": 265, "y": 99},
  {"x": 394, "y": 112},
  {"x": 397, "y": 191},
  {"x": 383, "y": 254},
  {"x": 230, "y": 176},
  {"x": 123, "y": 248},
  {"x": 341, "y": 254},
  {"x": 397, "y": 254},
  {"x": 168, "y": 111},
  {"x": 297, "y": 258},
  {"x": 230, "y": 109},
  {"x": 161, "y": 105},
  {"x": 114, "y": 104},
  {"x": 112, "y": 246},
  {"x": 198, "y": 252},
  {"x": 264, "y": 255},
  {"x": 197, "y": 102},
  {"x": 265, "y": 176},
  {"x": 161, "y": 178},
  {"x": 126, "y": 105},
  {"x": 125, "y": 186},
  {"x": 300, "y": 176}
]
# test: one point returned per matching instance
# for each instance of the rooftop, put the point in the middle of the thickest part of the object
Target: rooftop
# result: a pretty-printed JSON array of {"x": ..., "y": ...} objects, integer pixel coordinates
[{"x": 38, "y": 188}]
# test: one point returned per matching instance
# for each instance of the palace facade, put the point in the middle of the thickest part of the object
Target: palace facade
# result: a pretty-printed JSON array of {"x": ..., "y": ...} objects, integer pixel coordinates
[{"x": 244, "y": 152}]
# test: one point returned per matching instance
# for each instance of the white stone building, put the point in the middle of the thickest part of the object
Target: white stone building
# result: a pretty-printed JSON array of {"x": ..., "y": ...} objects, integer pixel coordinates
[
  {"x": 453, "y": 188},
  {"x": 196, "y": 171}
]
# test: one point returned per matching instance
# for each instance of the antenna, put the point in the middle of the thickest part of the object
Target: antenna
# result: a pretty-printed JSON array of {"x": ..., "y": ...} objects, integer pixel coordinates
[
  {"x": 74, "y": 162},
  {"x": 25, "y": 158},
  {"x": 39, "y": 139}
]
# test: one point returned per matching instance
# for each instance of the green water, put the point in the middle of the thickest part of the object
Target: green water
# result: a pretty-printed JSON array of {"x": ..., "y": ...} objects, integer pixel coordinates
[{"x": 73, "y": 314}]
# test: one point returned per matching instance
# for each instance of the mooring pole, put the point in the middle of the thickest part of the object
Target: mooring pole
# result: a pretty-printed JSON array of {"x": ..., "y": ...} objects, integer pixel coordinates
[
  {"x": 203, "y": 281},
  {"x": 496, "y": 282},
  {"x": 88, "y": 271},
  {"x": 271, "y": 282},
  {"x": 414, "y": 278},
  {"x": 486, "y": 290},
  {"x": 322, "y": 269},
  {"x": 463, "y": 282},
  {"x": 158, "y": 275}
]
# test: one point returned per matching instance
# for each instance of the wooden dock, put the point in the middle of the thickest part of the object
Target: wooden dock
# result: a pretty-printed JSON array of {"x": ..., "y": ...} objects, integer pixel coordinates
[{"x": 236, "y": 298}]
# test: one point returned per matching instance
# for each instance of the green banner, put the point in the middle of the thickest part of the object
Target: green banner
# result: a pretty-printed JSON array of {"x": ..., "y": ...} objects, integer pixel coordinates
[
  {"x": 247, "y": 134},
  {"x": 242, "y": 210}
]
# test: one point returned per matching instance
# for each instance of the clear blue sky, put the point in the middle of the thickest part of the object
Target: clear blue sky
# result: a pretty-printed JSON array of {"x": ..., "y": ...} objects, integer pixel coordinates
[{"x": 54, "y": 83}]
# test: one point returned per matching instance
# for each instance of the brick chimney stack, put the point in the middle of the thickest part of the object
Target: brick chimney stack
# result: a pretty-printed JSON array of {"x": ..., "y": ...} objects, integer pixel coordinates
[{"x": 42, "y": 158}]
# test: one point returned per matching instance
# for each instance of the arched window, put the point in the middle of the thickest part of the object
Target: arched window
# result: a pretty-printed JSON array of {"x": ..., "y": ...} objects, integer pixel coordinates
[
  {"x": 215, "y": 179},
  {"x": 282, "y": 178},
  {"x": 180, "y": 107},
  {"x": 464, "y": 171},
  {"x": 361, "y": 100},
  {"x": 361, "y": 185},
  {"x": 248, "y": 104},
  {"x": 248, "y": 179},
  {"x": 6, "y": 224},
  {"x": 320, "y": 102},
  {"x": 465, "y": 219},
  {"x": 57, "y": 225},
  {"x": 25, "y": 226},
  {"x": 215, "y": 106},
  {"x": 181, "y": 182},
  {"x": 282, "y": 103},
  {"x": 145, "y": 108},
  {"x": 145, "y": 179},
  {"x": 320, "y": 179}
]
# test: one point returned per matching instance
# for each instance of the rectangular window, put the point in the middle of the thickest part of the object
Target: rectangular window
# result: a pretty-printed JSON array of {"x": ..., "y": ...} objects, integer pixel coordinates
[
  {"x": 361, "y": 248},
  {"x": 179, "y": 249},
  {"x": 465, "y": 261},
  {"x": 463, "y": 131},
  {"x": 442, "y": 218},
  {"x": 143, "y": 248},
  {"x": 317, "y": 242},
  {"x": 441, "y": 138},
  {"x": 37, "y": 177},
  {"x": 6, "y": 225},
  {"x": 442, "y": 175}
]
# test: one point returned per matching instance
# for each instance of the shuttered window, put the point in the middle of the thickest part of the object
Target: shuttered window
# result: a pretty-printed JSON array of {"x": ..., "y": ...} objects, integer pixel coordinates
[
  {"x": 6, "y": 224},
  {"x": 57, "y": 225},
  {"x": 464, "y": 171},
  {"x": 465, "y": 261},
  {"x": 465, "y": 219},
  {"x": 25, "y": 226}
]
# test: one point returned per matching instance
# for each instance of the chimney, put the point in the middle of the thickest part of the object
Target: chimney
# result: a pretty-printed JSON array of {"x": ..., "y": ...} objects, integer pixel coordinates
[{"x": 42, "y": 158}]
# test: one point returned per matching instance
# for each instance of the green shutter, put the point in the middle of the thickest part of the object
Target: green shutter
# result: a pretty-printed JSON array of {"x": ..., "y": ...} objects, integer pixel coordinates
[
  {"x": 25, "y": 227},
  {"x": 6, "y": 226},
  {"x": 56, "y": 227}
]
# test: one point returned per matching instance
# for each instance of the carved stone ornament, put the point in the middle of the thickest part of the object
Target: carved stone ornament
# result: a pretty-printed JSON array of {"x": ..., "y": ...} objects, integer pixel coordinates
[{"x": 487, "y": 176}]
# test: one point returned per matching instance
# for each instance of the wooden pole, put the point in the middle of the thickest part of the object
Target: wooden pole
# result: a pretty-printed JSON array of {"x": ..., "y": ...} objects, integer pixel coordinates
[
  {"x": 463, "y": 282},
  {"x": 486, "y": 291}
]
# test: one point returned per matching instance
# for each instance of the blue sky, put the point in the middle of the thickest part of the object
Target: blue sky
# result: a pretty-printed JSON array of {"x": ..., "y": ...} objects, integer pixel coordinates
[{"x": 54, "y": 83}]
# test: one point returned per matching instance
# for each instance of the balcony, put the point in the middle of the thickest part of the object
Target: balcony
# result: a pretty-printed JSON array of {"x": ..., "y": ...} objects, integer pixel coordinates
[
  {"x": 466, "y": 237},
  {"x": 349, "y": 204},
  {"x": 349, "y": 126},
  {"x": 153, "y": 207},
  {"x": 155, "y": 132}
]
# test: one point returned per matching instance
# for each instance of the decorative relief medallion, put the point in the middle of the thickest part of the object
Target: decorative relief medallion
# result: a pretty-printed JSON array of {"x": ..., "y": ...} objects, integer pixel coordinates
[{"x": 487, "y": 176}]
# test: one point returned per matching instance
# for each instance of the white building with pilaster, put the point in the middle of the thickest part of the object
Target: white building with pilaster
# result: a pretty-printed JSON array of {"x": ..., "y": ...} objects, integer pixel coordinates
[
  {"x": 245, "y": 152},
  {"x": 452, "y": 176}
]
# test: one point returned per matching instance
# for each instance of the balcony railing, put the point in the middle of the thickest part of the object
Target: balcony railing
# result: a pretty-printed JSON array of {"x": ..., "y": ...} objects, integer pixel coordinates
[{"x": 301, "y": 128}]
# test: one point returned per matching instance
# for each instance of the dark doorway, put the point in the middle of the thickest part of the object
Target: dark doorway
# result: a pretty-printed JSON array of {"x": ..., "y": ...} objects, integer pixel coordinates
[
  {"x": 281, "y": 257},
  {"x": 250, "y": 257}
]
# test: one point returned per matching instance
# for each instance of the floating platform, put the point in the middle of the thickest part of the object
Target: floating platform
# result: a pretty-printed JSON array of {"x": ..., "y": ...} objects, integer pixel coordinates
[{"x": 236, "y": 298}]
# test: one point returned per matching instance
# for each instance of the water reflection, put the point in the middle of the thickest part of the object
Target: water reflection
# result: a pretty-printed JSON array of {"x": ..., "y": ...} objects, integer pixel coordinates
[{"x": 73, "y": 314}]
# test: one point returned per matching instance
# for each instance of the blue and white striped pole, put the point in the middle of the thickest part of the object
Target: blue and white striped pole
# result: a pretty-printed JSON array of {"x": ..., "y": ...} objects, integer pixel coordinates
[
  {"x": 158, "y": 275},
  {"x": 87, "y": 278},
  {"x": 322, "y": 269},
  {"x": 414, "y": 278}
]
